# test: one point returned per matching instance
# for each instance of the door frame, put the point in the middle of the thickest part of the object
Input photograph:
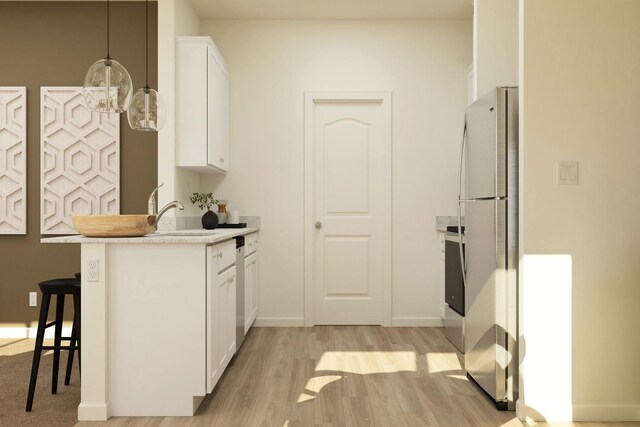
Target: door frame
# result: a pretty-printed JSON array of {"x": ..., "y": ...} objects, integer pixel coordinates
[{"x": 310, "y": 99}]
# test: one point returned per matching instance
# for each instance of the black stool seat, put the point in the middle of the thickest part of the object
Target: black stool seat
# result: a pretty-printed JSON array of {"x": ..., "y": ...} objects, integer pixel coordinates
[{"x": 60, "y": 288}]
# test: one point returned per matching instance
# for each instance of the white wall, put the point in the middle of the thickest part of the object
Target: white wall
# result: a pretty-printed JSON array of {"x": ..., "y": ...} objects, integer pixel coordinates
[
  {"x": 495, "y": 44},
  {"x": 581, "y": 101},
  {"x": 175, "y": 18},
  {"x": 271, "y": 64}
]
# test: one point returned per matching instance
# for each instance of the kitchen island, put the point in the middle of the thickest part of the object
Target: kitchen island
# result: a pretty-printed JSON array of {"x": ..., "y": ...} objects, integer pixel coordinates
[{"x": 157, "y": 329}]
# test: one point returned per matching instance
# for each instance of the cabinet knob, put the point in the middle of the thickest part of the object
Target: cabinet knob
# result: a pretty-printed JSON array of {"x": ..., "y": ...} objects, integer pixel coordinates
[
  {"x": 219, "y": 254},
  {"x": 318, "y": 225},
  {"x": 222, "y": 159}
]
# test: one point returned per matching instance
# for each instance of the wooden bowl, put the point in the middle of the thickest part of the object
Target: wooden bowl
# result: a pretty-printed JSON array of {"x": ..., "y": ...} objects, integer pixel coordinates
[{"x": 114, "y": 225}]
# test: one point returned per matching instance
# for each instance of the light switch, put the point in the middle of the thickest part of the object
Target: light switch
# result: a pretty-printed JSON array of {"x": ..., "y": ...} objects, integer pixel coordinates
[{"x": 567, "y": 172}]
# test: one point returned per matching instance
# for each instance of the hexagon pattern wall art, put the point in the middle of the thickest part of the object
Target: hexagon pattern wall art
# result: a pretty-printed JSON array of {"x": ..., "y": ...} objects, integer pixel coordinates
[
  {"x": 79, "y": 160},
  {"x": 13, "y": 160}
]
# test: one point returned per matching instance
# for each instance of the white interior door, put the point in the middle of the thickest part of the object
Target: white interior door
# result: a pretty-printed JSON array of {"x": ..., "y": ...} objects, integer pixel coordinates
[{"x": 348, "y": 197}]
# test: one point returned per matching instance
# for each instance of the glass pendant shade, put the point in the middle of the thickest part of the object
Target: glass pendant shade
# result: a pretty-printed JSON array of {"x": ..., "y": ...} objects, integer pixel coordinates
[
  {"x": 147, "y": 110},
  {"x": 108, "y": 87}
]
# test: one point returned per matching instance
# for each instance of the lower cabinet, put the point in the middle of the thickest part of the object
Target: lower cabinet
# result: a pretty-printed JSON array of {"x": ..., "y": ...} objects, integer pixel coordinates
[
  {"x": 254, "y": 287},
  {"x": 250, "y": 290},
  {"x": 442, "y": 271},
  {"x": 221, "y": 310},
  {"x": 250, "y": 281}
]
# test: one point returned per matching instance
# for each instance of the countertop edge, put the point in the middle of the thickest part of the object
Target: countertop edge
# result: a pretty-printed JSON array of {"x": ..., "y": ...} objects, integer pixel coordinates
[{"x": 162, "y": 237}]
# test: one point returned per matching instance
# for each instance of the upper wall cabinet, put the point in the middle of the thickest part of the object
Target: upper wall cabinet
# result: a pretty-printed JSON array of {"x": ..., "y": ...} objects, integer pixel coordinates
[{"x": 202, "y": 106}]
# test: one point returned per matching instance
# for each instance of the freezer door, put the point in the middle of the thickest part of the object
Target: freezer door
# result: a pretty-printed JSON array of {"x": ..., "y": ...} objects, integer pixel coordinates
[
  {"x": 486, "y": 146},
  {"x": 486, "y": 346}
]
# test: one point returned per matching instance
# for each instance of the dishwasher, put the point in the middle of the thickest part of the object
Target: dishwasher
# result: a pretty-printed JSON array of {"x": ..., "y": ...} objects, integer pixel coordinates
[
  {"x": 239, "y": 291},
  {"x": 454, "y": 289}
]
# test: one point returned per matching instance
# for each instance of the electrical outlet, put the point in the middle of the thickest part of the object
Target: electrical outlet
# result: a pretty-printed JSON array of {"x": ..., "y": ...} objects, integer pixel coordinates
[
  {"x": 567, "y": 172},
  {"x": 33, "y": 299},
  {"x": 92, "y": 270}
]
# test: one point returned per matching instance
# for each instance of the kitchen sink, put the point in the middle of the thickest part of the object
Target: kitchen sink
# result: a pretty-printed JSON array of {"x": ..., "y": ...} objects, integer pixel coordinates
[{"x": 190, "y": 233}]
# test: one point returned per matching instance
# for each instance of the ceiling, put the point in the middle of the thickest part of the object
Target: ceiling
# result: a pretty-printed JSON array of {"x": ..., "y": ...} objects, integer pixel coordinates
[{"x": 334, "y": 9}]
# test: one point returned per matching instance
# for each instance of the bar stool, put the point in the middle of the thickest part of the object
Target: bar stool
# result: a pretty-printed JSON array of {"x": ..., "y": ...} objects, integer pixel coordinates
[{"x": 61, "y": 288}]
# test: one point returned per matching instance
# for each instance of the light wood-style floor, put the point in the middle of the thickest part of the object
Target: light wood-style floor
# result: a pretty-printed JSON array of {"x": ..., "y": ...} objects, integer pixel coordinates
[{"x": 343, "y": 376}]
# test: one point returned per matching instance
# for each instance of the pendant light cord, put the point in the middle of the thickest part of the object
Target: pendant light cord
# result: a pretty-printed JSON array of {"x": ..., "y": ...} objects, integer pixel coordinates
[
  {"x": 108, "y": 56},
  {"x": 146, "y": 64}
]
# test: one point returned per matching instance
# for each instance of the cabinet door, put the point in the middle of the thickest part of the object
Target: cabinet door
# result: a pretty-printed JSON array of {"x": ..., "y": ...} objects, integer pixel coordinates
[
  {"x": 202, "y": 106},
  {"x": 218, "y": 105},
  {"x": 442, "y": 271},
  {"x": 231, "y": 314},
  {"x": 212, "y": 339},
  {"x": 248, "y": 293},
  {"x": 213, "y": 149},
  {"x": 254, "y": 283},
  {"x": 222, "y": 134},
  {"x": 251, "y": 289},
  {"x": 222, "y": 321}
]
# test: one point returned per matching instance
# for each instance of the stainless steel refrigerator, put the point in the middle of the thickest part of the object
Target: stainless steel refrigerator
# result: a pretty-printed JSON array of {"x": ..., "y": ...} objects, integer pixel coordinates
[{"x": 488, "y": 199}]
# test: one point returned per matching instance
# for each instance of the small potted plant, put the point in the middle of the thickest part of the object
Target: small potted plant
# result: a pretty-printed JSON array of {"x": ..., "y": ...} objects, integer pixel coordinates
[{"x": 206, "y": 201}]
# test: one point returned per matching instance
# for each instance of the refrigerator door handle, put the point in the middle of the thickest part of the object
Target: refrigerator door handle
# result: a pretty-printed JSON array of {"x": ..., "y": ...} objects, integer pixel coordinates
[
  {"x": 460, "y": 164},
  {"x": 463, "y": 262}
]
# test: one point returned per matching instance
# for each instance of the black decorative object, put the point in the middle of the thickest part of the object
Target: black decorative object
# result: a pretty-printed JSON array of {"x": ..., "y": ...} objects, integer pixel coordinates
[{"x": 209, "y": 220}]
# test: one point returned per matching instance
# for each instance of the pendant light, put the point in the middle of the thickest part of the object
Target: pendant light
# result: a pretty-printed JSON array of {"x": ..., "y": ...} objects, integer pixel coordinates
[
  {"x": 147, "y": 110},
  {"x": 107, "y": 85}
]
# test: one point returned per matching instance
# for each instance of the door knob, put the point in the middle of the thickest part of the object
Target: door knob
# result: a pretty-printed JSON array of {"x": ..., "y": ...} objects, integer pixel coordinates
[{"x": 318, "y": 225}]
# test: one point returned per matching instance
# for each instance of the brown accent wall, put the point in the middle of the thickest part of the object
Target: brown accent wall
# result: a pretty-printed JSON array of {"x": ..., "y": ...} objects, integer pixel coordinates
[{"x": 53, "y": 44}]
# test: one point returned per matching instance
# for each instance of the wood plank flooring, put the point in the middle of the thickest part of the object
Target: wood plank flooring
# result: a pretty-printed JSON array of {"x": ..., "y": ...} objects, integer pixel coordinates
[{"x": 342, "y": 376}]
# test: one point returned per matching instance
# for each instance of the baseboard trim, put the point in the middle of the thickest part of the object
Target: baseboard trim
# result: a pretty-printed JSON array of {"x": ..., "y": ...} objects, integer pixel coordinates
[
  {"x": 274, "y": 322},
  {"x": 431, "y": 322},
  {"x": 27, "y": 332},
  {"x": 606, "y": 413},
  {"x": 93, "y": 411},
  {"x": 584, "y": 413}
]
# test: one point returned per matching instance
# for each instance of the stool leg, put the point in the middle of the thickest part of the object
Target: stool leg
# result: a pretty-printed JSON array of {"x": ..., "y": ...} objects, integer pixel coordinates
[
  {"x": 74, "y": 337},
  {"x": 77, "y": 324},
  {"x": 57, "y": 342},
  {"x": 44, "y": 310},
  {"x": 67, "y": 376}
]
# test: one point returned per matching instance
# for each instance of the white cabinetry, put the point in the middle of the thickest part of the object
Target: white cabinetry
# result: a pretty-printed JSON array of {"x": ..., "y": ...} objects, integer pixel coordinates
[
  {"x": 221, "y": 310},
  {"x": 471, "y": 90},
  {"x": 441, "y": 303},
  {"x": 202, "y": 106},
  {"x": 250, "y": 281}
]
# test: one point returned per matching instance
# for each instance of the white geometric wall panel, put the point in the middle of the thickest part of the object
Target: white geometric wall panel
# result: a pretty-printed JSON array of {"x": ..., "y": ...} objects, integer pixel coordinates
[
  {"x": 79, "y": 160},
  {"x": 13, "y": 160}
]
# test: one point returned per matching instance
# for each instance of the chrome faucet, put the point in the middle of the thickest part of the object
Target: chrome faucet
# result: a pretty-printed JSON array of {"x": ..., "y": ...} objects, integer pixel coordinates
[
  {"x": 152, "y": 206},
  {"x": 168, "y": 206}
]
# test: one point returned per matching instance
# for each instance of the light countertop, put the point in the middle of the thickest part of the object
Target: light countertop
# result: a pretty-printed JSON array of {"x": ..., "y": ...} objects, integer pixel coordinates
[
  {"x": 174, "y": 236},
  {"x": 443, "y": 221}
]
